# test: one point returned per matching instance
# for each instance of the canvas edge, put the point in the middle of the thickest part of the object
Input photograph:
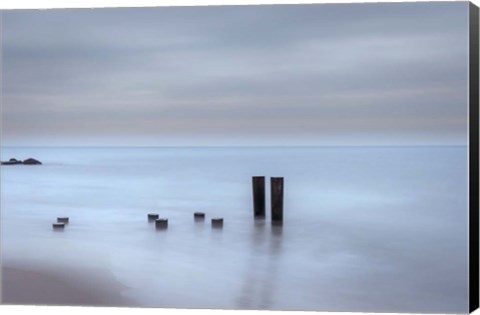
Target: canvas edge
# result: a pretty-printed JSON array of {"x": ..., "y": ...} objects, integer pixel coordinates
[{"x": 473, "y": 158}]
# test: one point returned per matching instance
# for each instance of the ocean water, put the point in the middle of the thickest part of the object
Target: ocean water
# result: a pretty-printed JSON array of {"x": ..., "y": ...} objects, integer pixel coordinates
[{"x": 365, "y": 228}]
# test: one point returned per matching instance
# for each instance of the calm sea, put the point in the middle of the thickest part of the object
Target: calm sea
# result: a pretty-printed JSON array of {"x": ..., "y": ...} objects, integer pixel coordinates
[{"x": 366, "y": 228}]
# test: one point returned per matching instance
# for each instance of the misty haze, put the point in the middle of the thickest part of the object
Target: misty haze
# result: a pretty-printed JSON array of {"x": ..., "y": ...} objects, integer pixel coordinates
[{"x": 362, "y": 109}]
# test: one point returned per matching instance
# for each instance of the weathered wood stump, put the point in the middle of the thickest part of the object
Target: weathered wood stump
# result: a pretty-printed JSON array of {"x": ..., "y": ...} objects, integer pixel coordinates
[
  {"x": 152, "y": 217},
  {"x": 65, "y": 220},
  {"x": 58, "y": 226},
  {"x": 199, "y": 216},
  {"x": 217, "y": 222},
  {"x": 161, "y": 224},
  {"x": 258, "y": 187}
]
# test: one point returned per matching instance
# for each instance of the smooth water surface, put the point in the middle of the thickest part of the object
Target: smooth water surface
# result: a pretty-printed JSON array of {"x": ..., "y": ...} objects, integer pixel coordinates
[{"x": 366, "y": 228}]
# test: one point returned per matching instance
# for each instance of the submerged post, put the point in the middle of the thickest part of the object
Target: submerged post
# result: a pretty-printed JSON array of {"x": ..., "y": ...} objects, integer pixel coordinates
[
  {"x": 258, "y": 185},
  {"x": 199, "y": 216},
  {"x": 276, "y": 187},
  {"x": 63, "y": 220},
  {"x": 217, "y": 222},
  {"x": 58, "y": 226},
  {"x": 161, "y": 224},
  {"x": 152, "y": 217}
]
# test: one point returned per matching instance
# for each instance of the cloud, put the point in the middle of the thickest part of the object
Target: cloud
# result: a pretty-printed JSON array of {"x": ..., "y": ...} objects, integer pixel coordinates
[{"x": 257, "y": 73}]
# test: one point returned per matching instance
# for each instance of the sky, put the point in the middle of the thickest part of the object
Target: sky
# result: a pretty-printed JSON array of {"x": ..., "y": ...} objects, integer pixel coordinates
[{"x": 322, "y": 74}]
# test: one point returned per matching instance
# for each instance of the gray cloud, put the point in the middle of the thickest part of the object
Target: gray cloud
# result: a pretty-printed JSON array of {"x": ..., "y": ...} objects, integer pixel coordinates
[{"x": 298, "y": 74}]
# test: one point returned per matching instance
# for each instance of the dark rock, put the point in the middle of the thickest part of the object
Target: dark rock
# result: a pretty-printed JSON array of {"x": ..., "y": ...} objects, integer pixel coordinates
[
  {"x": 32, "y": 162},
  {"x": 26, "y": 162},
  {"x": 12, "y": 162}
]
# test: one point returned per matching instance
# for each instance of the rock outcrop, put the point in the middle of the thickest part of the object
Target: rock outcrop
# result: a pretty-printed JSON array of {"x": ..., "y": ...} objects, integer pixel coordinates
[
  {"x": 26, "y": 162},
  {"x": 12, "y": 162},
  {"x": 32, "y": 162}
]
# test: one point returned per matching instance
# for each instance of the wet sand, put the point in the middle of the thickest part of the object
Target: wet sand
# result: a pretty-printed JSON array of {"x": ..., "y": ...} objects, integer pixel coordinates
[{"x": 60, "y": 286}]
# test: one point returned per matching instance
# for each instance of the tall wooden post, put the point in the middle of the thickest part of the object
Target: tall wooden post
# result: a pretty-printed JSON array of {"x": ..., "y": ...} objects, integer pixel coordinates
[
  {"x": 258, "y": 185},
  {"x": 276, "y": 187}
]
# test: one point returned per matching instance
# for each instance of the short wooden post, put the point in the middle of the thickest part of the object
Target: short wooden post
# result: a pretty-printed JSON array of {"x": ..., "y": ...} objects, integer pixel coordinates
[
  {"x": 217, "y": 222},
  {"x": 199, "y": 216},
  {"x": 63, "y": 220},
  {"x": 258, "y": 186},
  {"x": 58, "y": 226},
  {"x": 276, "y": 187},
  {"x": 161, "y": 224},
  {"x": 152, "y": 217}
]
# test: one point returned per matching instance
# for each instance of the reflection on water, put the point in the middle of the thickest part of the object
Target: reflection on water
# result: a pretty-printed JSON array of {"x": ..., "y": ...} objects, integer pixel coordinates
[
  {"x": 260, "y": 278},
  {"x": 274, "y": 248}
]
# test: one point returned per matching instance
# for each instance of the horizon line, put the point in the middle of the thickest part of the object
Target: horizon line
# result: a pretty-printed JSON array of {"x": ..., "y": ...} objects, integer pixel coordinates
[{"x": 242, "y": 146}]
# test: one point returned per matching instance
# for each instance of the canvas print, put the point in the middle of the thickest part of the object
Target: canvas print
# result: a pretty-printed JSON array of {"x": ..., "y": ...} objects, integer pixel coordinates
[{"x": 270, "y": 157}]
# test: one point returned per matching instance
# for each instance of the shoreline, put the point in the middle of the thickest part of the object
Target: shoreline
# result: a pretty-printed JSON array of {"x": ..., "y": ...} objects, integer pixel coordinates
[{"x": 61, "y": 286}]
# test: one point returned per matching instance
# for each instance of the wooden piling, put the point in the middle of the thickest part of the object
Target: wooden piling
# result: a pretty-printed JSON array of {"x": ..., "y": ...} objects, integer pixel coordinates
[
  {"x": 258, "y": 187},
  {"x": 199, "y": 216},
  {"x": 152, "y": 217},
  {"x": 63, "y": 220},
  {"x": 161, "y": 224},
  {"x": 217, "y": 222},
  {"x": 58, "y": 226},
  {"x": 276, "y": 187}
]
